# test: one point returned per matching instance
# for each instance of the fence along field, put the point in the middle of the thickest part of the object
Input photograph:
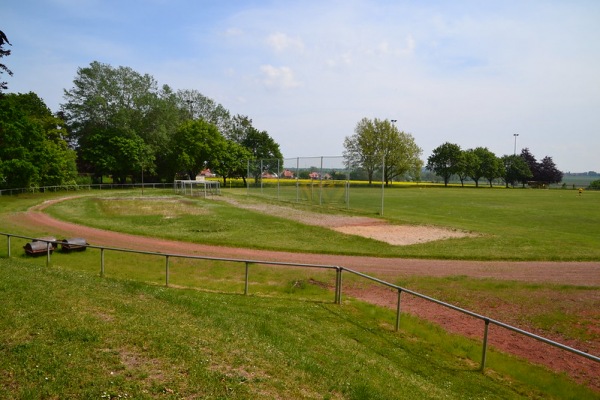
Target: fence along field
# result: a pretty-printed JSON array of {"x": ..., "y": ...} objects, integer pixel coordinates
[{"x": 310, "y": 180}]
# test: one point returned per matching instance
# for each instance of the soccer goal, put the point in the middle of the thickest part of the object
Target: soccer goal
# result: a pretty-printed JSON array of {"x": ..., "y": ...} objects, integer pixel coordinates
[{"x": 198, "y": 187}]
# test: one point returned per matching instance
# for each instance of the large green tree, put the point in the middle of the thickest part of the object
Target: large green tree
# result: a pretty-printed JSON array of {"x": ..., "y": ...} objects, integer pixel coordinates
[
  {"x": 233, "y": 162},
  {"x": 480, "y": 162},
  {"x": 33, "y": 146},
  {"x": 106, "y": 102},
  {"x": 377, "y": 145},
  {"x": 514, "y": 169},
  {"x": 362, "y": 150},
  {"x": 195, "y": 105},
  {"x": 196, "y": 145},
  {"x": 264, "y": 151},
  {"x": 401, "y": 154},
  {"x": 466, "y": 166},
  {"x": 445, "y": 161}
]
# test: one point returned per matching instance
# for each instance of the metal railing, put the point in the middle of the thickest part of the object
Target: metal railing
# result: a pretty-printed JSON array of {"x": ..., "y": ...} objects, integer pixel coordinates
[
  {"x": 91, "y": 186},
  {"x": 338, "y": 288}
]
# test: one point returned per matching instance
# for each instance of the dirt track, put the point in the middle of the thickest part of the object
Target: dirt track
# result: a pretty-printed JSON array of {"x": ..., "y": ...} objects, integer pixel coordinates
[{"x": 585, "y": 274}]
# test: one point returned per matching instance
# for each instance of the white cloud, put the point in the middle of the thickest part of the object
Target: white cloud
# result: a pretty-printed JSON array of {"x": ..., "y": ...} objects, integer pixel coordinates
[
  {"x": 278, "y": 77},
  {"x": 281, "y": 42}
]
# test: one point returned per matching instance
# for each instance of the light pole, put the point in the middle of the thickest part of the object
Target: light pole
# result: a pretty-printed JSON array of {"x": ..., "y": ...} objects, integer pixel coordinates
[{"x": 515, "y": 135}]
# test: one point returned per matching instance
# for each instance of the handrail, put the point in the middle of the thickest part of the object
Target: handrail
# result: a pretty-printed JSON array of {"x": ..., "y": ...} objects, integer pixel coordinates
[
  {"x": 338, "y": 289},
  {"x": 479, "y": 316}
]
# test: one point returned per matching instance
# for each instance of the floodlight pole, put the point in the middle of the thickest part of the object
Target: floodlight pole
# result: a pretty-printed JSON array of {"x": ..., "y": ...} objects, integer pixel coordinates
[{"x": 515, "y": 135}]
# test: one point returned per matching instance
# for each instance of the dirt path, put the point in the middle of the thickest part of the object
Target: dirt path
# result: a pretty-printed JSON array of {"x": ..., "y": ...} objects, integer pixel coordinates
[{"x": 570, "y": 273}]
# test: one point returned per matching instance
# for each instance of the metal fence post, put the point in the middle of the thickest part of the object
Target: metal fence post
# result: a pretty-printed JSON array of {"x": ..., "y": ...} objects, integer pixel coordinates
[
  {"x": 8, "y": 240},
  {"x": 297, "y": 179},
  {"x": 321, "y": 184},
  {"x": 246, "y": 278},
  {"x": 337, "y": 284},
  {"x": 47, "y": 254},
  {"x": 485, "y": 338},
  {"x": 338, "y": 287},
  {"x": 398, "y": 311},
  {"x": 102, "y": 262},
  {"x": 166, "y": 270}
]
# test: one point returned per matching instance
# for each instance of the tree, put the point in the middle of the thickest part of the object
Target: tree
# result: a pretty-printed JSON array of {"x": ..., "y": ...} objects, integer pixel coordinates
[
  {"x": 515, "y": 169},
  {"x": 543, "y": 172},
  {"x": 468, "y": 160},
  {"x": 107, "y": 101},
  {"x": 378, "y": 144},
  {"x": 400, "y": 153},
  {"x": 445, "y": 161},
  {"x": 4, "y": 53},
  {"x": 196, "y": 145},
  {"x": 33, "y": 149},
  {"x": 195, "y": 105},
  {"x": 531, "y": 163},
  {"x": 361, "y": 150},
  {"x": 491, "y": 166},
  {"x": 548, "y": 172},
  {"x": 263, "y": 150},
  {"x": 482, "y": 164},
  {"x": 233, "y": 162}
]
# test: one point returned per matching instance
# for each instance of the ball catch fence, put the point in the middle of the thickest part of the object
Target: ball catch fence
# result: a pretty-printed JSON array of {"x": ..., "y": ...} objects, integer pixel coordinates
[{"x": 323, "y": 180}]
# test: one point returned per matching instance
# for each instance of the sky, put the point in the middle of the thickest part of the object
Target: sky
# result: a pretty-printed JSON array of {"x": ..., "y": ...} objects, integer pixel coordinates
[{"x": 475, "y": 73}]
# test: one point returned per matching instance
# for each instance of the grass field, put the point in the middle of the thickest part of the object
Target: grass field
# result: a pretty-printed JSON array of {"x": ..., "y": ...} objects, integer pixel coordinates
[
  {"x": 70, "y": 334},
  {"x": 508, "y": 224}
]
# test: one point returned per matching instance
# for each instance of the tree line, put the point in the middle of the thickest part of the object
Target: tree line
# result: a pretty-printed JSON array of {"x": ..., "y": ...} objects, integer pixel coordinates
[
  {"x": 449, "y": 160},
  {"x": 119, "y": 122},
  {"x": 378, "y": 146}
]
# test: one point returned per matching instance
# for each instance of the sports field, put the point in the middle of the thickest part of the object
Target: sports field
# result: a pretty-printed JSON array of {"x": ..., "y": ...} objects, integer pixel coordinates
[{"x": 548, "y": 304}]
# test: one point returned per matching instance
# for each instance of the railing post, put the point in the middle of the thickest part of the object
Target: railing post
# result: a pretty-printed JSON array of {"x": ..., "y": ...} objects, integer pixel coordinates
[
  {"x": 102, "y": 262},
  {"x": 398, "y": 311},
  {"x": 485, "y": 338},
  {"x": 338, "y": 286},
  {"x": 8, "y": 242},
  {"x": 246, "y": 278},
  {"x": 47, "y": 254},
  {"x": 167, "y": 271}
]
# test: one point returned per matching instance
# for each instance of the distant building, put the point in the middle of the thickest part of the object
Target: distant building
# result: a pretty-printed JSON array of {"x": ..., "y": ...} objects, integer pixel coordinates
[
  {"x": 287, "y": 174},
  {"x": 207, "y": 173}
]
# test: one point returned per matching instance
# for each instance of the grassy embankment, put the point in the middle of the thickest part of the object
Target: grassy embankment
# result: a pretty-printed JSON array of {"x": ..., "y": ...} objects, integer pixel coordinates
[{"x": 70, "y": 334}]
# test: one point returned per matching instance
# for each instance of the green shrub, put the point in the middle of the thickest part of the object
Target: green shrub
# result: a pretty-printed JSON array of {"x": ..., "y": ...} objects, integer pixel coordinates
[{"x": 595, "y": 185}]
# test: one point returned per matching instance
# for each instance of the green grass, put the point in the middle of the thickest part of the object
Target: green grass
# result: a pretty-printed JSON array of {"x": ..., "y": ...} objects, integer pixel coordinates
[
  {"x": 549, "y": 308},
  {"x": 509, "y": 224},
  {"x": 71, "y": 334}
]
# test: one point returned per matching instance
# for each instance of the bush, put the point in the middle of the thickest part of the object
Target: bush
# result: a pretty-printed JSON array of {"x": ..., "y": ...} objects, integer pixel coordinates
[{"x": 595, "y": 185}]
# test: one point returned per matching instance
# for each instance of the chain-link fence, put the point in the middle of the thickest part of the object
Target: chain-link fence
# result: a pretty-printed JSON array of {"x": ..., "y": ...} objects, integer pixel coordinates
[{"x": 325, "y": 180}]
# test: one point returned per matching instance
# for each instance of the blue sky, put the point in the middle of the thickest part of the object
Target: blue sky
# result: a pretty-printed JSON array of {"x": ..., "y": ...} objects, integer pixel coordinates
[{"x": 468, "y": 72}]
